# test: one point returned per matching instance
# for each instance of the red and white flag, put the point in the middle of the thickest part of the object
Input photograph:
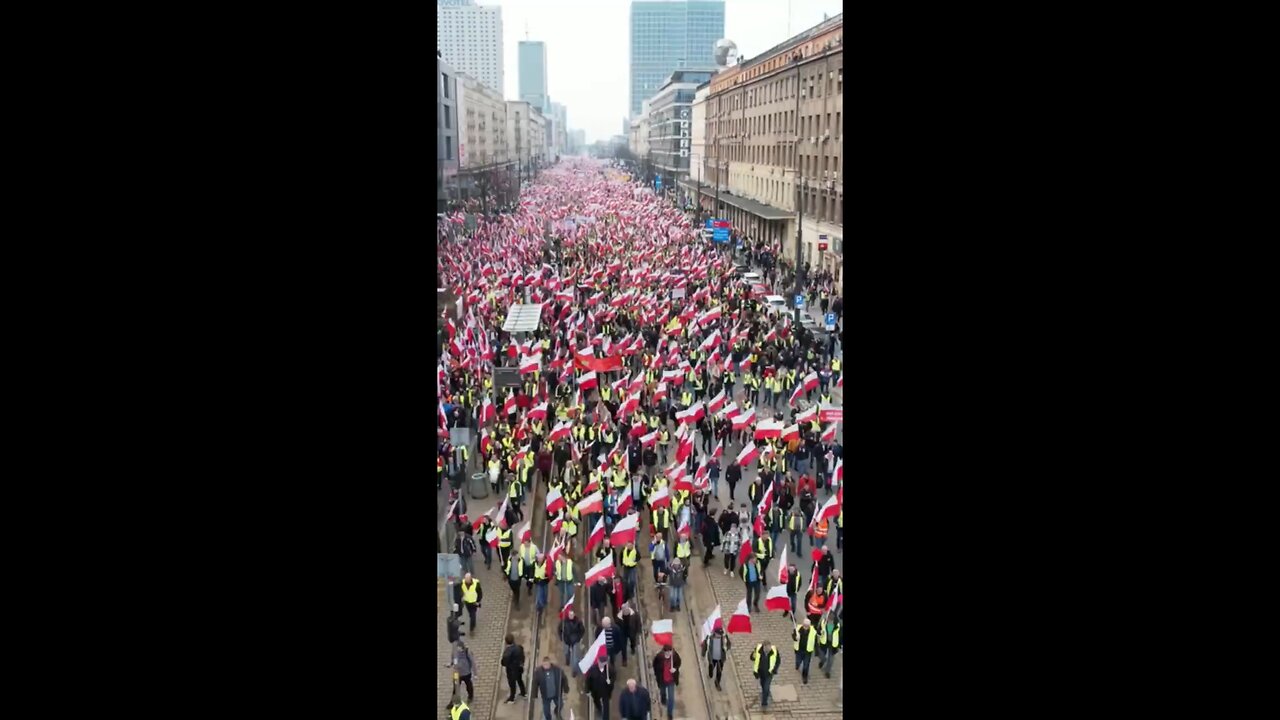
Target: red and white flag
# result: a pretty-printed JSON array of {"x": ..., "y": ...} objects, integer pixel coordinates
[
  {"x": 625, "y": 531},
  {"x": 709, "y": 316},
  {"x": 795, "y": 396},
  {"x": 740, "y": 622},
  {"x": 530, "y": 364},
  {"x": 829, "y": 435},
  {"x": 719, "y": 451},
  {"x": 660, "y": 498},
  {"x": 524, "y": 532},
  {"x": 487, "y": 410},
  {"x": 717, "y": 402},
  {"x": 597, "y": 534},
  {"x": 659, "y": 392},
  {"x": 766, "y": 501},
  {"x": 782, "y": 567},
  {"x": 790, "y": 432},
  {"x": 731, "y": 410},
  {"x": 712, "y": 622},
  {"x": 768, "y": 429},
  {"x": 561, "y": 430},
  {"x": 807, "y": 416},
  {"x": 744, "y": 550},
  {"x": 592, "y": 503},
  {"x": 594, "y": 653},
  {"x": 837, "y": 476},
  {"x": 777, "y": 599},
  {"x": 744, "y": 419},
  {"x": 538, "y": 412},
  {"x": 624, "y": 500},
  {"x": 602, "y": 569},
  {"x": 492, "y": 536},
  {"x": 811, "y": 380},
  {"x": 568, "y": 605},
  {"x": 587, "y": 381},
  {"x": 555, "y": 501},
  {"x": 662, "y": 632},
  {"x": 749, "y": 453}
]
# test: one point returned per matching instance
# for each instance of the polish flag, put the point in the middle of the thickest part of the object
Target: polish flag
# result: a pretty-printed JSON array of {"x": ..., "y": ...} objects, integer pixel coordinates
[
  {"x": 636, "y": 383},
  {"x": 629, "y": 405},
  {"x": 538, "y": 412},
  {"x": 674, "y": 376},
  {"x": 561, "y": 430},
  {"x": 771, "y": 335},
  {"x": 740, "y": 622},
  {"x": 555, "y": 500},
  {"x": 555, "y": 528},
  {"x": 685, "y": 417},
  {"x": 597, "y": 534},
  {"x": 491, "y": 537},
  {"x": 509, "y": 406},
  {"x": 624, "y": 502},
  {"x": 662, "y": 632},
  {"x": 731, "y": 410},
  {"x": 811, "y": 380},
  {"x": 709, "y": 316},
  {"x": 524, "y": 532},
  {"x": 748, "y": 453},
  {"x": 587, "y": 381},
  {"x": 685, "y": 449},
  {"x": 807, "y": 415},
  {"x": 719, "y": 451},
  {"x": 530, "y": 363},
  {"x": 487, "y": 410},
  {"x": 768, "y": 429},
  {"x": 625, "y": 531},
  {"x": 592, "y": 503},
  {"x": 594, "y": 653},
  {"x": 649, "y": 440},
  {"x": 444, "y": 419},
  {"x": 602, "y": 569},
  {"x": 782, "y": 567},
  {"x": 837, "y": 476},
  {"x": 485, "y": 440},
  {"x": 568, "y": 605},
  {"x": 744, "y": 419},
  {"x": 744, "y": 550},
  {"x": 660, "y": 498},
  {"x": 712, "y": 622},
  {"x": 829, "y": 435},
  {"x": 716, "y": 402},
  {"x": 501, "y": 516},
  {"x": 840, "y": 381},
  {"x": 698, "y": 411},
  {"x": 660, "y": 392},
  {"x": 777, "y": 599},
  {"x": 712, "y": 340},
  {"x": 766, "y": 501},
  {"x": 795, "y": 394}
]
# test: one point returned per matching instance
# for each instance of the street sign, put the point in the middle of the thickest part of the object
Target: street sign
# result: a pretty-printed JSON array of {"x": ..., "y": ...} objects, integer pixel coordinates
[
  {"x": 799, "y": 301},
  {"x": 720, "y": 230},
  {"x": 822, "y": 242},
  {"x": 830, "y": 413},
  {"x": 830, "y": 321}
]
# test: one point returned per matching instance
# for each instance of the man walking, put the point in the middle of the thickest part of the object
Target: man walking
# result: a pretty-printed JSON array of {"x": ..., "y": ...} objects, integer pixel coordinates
[
  {"x": 469, "y": 594},
  {"x": 764, "y": 672},
  {"x": 716, "y": 648},
  {"x": 751, "y": 576},
  {"x": 600, "y": 687},
  {"x": 571, "y": 632},
  {"x": 829, "y": 643},
  {"x": 463, "y": 665},
  {"x": 613, "y": 641},
  {"x": 666, "y": 672},
  {"x": 805, "y": 642},
  {"x": 634, "y": 703},
  {"x": 551, "y": 682},
  {"x": 513, "y": 661}
]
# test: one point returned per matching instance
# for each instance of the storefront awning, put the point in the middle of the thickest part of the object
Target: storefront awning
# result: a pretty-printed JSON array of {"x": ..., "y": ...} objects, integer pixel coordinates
[{"x": 759, "y": 209}]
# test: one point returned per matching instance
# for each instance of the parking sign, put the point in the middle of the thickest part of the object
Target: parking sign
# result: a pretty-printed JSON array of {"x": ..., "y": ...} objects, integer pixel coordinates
[
  {"x": 799, "y": 301},
  {"x": 830, "y": 321}
]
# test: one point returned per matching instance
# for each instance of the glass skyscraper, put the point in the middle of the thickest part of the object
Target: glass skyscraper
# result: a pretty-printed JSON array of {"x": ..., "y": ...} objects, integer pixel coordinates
[
  {"x": 533, "y": 74},
  {"x": 667, "y": 35}
]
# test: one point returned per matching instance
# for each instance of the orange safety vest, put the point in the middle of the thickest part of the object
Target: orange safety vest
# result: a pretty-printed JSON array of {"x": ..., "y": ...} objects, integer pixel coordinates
[
  {"x": 821, "y": 530},
  {"x": 815, "y": 607}
]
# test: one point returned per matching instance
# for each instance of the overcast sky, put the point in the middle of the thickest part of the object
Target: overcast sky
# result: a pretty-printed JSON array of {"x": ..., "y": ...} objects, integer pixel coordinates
[{"x": 588, "y": 69}]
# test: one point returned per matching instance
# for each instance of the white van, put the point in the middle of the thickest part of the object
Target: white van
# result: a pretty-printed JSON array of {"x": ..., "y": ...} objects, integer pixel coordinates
[{"x": 775, "y": 304}]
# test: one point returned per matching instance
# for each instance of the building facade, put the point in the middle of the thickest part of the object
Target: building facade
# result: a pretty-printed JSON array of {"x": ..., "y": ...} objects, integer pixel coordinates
[
  {"x": 560, "y": 131},
  {"x": 446, "y": 130},
  {"x": 470, "y": 36},
  {"x": 527, "y": 135},
  {"x": 775, "y": 149},
  {"x": 484, "y": 125},
  {"x": 670, "y": 125},
  {"x": 668, "y": 35},
  {"x": 532, "y": 56},
  {"x": 638, "y": 136}
]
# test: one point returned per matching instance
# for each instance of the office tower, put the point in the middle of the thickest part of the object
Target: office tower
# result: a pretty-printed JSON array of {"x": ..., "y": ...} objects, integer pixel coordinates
[
  {"x": 533, "y": 74},
  {"x": 470, "y": 38},
  {"x": 667, "y": 35}
]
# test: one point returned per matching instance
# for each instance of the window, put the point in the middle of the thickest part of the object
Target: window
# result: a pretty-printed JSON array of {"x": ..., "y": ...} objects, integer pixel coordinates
[{"x": 448, "y": 123}]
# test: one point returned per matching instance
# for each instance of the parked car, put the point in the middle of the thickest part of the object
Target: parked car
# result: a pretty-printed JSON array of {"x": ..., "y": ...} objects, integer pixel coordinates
[{"x": 775, "y": 304}]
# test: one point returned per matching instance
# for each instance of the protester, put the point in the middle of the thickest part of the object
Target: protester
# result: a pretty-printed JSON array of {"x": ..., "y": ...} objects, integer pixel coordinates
[
  {"x": 634, "y": 703},
  {"x": 716, "y": 648},
  {"x": 513, "y": 661},
  {"x": 666, "y": 673},
  {"x": 764, "y": 665},
  {"x": 550, "y": 682}
]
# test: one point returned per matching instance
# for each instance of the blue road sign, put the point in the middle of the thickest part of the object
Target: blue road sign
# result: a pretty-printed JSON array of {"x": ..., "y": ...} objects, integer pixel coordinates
[
  {"x": 657, "y": 182},
  {"x": 799, "y": 301},
  {"x": 831, "y": 319}
]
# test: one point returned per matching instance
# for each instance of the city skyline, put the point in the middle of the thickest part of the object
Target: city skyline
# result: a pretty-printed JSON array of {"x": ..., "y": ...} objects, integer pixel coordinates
[{"x": 589, "y": 72}]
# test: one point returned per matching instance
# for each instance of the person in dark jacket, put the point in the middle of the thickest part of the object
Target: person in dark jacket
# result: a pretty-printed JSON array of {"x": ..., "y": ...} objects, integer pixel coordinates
[
  {"x": 600, "y": 687},
  {"x": 599, "y": 598},
  {"x": 453, "y": 626},
  {"x": 666, "y": 673},
  {"x": 710, "y": 537},
  {"x": 550, "y": 682},
  {"x": 513, "y": 661},
  {"x": 629, "y": 624},
  {"x": 634, "y": 703},
  {"x": 571, "y": 632},
  {"x": 732, "y": 475}
]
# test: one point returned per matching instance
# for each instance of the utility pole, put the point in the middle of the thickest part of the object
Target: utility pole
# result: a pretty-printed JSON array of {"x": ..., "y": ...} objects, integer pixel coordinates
[{"x": 799, "y": 195}]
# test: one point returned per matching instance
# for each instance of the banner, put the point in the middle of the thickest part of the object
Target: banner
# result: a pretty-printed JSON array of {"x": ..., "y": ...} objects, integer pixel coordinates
[{"x": 611, "y": 363}]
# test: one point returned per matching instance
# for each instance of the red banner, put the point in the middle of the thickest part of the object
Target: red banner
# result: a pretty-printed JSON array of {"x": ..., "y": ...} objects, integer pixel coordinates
[{"x": 613, "y": 362}]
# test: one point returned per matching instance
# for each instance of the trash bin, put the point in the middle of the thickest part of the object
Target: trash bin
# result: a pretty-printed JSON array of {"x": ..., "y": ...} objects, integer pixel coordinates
[{"x": 480, "y": 485}]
